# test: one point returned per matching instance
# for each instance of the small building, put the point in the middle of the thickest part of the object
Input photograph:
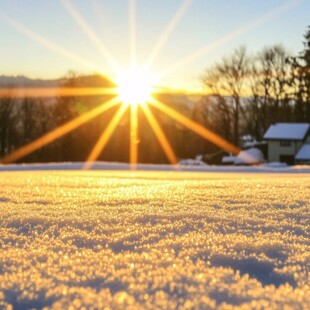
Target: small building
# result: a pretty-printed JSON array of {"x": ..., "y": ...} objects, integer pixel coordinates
[{"x": 285, "y": 140}]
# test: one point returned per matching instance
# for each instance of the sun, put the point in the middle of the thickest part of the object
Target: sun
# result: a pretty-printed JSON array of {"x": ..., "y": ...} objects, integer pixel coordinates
[{"x": 134, "y": 86}]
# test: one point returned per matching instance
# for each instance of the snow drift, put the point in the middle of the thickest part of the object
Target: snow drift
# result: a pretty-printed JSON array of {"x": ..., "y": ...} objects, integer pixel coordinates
[{"x": 145, "y": 240}]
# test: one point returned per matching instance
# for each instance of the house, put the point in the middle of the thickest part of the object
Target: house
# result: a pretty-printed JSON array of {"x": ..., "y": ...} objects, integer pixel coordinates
[{"x": 286, "y": 141}]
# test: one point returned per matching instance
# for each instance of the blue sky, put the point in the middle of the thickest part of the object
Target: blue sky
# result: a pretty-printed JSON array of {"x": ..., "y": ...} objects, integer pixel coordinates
[{"x": 203, "y": 23}]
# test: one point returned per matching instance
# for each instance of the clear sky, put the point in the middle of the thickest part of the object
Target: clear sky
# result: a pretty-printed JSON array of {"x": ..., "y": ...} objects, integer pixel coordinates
[{"x": 43, "y": 39}]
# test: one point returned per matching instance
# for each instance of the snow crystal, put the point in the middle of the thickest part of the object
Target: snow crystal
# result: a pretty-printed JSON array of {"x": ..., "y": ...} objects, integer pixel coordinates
[{"x": 145, "y": 240}]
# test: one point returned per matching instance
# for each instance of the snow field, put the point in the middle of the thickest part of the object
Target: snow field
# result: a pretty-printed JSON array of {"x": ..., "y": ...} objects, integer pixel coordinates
[{"x": 145, "y": 240}]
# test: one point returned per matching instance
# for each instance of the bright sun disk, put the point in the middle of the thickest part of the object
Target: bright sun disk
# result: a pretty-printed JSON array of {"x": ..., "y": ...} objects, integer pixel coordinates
[{"x": 134, "y": 86}]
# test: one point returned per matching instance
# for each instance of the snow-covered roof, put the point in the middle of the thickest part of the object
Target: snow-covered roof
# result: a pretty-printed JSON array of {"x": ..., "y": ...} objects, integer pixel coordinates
[
  {"x": 287, "y": 131},
  {"x": 303, "y": 153}
]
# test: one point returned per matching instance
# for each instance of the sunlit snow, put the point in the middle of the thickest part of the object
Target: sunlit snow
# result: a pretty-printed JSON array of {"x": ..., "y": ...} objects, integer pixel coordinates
[{"x": 145, "y": 240}]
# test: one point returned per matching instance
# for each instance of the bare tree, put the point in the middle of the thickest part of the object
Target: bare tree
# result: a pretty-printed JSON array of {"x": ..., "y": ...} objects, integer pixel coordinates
[
  {"x": 227, "y": 79},
  {"x": 6, "y": 125},
  {"x": 273, "y": 72},
  {"x": 27, "y": 119}
]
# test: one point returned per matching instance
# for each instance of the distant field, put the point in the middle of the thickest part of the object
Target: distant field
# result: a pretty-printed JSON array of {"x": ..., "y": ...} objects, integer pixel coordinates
[{"x": 145, "y": 240}]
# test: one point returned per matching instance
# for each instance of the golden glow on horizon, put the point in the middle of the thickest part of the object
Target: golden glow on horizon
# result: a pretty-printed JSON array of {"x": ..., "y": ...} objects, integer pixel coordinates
[
  {"x": 26, "y": 92},
  {"x": 134, "y": 87}
]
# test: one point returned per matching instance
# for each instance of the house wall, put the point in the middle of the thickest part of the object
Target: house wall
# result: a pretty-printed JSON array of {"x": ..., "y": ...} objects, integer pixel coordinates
[
  {"x": 302, "y": 162},
  {"x": 275, "y": 149}
]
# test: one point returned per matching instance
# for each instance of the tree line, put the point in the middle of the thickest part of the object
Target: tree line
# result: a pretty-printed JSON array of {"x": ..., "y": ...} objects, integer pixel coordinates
[
  {"x": 247, "y": 93},
  {"x": 250, "y": 92}
]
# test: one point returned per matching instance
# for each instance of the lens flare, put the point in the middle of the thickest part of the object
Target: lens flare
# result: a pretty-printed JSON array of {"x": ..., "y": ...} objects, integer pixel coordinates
[{"x": 134, "y": 87}]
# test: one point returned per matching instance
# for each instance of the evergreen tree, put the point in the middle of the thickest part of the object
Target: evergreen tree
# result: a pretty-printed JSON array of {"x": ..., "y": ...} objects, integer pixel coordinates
[
  {"x": 306, "y": 72},
  {"x": 301, "y": 80}
]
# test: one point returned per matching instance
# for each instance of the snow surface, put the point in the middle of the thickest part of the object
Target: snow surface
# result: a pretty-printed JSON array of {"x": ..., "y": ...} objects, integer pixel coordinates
[
  {"x": 273, "y": 167},
  {"x": 150, "y": 239},
  {"x": 287, "y": 131}
]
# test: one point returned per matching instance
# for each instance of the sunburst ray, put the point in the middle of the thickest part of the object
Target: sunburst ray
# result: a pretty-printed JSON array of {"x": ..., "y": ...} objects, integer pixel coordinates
[
  {"x": 160, "y": 135},
  {"x": 90, "y": 33},
  {"x": 262, "y": 19},
  {"x": 168, "y": 31},
  {"x": 134, "y": 138},
  {"x": 132, "y": 33},
  {"x": 58, "y": 132},
  {"x": 105, "y": 137},
  {"x": 48, "y": 43},
  {"x": 197, "y": 128}
]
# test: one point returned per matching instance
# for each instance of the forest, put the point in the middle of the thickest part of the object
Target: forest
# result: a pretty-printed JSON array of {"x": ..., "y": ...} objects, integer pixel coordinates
[{"x": 246, "y": 93}]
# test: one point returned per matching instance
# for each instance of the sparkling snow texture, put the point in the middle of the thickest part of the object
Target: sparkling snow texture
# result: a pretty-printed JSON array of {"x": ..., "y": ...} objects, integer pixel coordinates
[{"x": 145, "y": 240}]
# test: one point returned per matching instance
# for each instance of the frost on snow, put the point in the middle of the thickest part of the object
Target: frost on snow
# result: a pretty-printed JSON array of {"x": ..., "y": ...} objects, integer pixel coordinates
[{"x": 148, "y": 240}]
